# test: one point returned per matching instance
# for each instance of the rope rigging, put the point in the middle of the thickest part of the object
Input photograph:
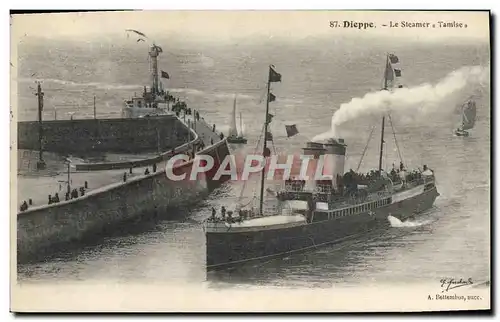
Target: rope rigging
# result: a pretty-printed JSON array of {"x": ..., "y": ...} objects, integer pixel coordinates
[
  {"x": 366, "y": 147},
  {"x": 245, "y": 182},
  {"x": 395, "y": 140}
]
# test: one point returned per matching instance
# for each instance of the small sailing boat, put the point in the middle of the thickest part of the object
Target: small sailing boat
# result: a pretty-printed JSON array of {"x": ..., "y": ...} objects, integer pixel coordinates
[
  {"x": 468, "y": 118},
  {"x": 234, "y": 136}
]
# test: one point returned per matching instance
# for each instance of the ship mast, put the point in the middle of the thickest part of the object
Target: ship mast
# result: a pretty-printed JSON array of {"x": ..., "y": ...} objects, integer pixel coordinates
[
  {"x": 383, "y": 119},
  {"x": 41, "y": 163},
  {"x": 273, "y": 77},
  {"x": 261, "y": 200}
]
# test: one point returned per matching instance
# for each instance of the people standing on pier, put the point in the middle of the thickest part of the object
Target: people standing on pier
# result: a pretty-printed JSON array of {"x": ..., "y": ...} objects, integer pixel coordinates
[
  {"x": 86, "y": 185},
  {"x": 50, "y": 199},
  {"x": 82, "y": 191},
  {"x": 67, "y": 196},
  {"x": 30, "y": 202},
  {"x": 24, "y": 206},
  {"x": 56, "y": 198},
  {"x": 130, "y": 170},
  {"x": 146, "y": 172},
  {"x": 124, "y": 177},
  {"x": 154, "y": 167}
]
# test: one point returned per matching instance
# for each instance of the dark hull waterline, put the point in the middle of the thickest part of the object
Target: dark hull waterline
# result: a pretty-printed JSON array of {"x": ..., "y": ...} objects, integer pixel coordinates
[{"x": 229, "y": 250}]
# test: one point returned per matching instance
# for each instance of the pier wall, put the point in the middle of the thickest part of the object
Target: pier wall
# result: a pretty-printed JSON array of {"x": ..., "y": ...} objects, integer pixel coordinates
[
  {"x": 40, "y": 228},
  {"x": 104, "y": 135}
]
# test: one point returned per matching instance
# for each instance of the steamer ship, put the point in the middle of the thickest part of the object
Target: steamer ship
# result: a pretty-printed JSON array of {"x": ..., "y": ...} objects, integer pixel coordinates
[{"x": 312, "y": 213}]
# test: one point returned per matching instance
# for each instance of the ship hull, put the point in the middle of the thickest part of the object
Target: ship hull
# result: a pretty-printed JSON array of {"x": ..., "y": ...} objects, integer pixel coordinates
[
  {"x": 225, "y": 249},
  {"x": 461, "y": 133}
]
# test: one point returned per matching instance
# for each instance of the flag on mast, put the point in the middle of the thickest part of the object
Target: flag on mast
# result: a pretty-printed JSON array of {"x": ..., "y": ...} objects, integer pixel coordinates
[
  {"x": 269, "y": 117},
  {"x": 273, "y": 75},
  {"x": 291, "y": 130}
]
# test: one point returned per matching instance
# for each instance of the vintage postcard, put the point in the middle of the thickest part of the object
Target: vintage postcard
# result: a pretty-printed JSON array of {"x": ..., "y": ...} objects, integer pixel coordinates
[{"x": 244, "y": 161}]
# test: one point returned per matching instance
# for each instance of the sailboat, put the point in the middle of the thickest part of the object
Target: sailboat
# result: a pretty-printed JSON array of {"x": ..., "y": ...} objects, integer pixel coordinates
[
  {"x": 234, "y": 136},
  {"x": 468, "y": 118},
  {"x": 311, "y": 213}
]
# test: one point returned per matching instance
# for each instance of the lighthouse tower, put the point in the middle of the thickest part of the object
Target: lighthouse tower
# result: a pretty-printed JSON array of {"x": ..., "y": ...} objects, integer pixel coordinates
[{"x": 153, "y": 53}]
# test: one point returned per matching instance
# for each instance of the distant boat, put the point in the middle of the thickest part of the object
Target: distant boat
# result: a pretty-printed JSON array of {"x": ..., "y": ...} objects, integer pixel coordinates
[
  {"x": 468, "y": 118},
  {"x": 234, "y": 136}
]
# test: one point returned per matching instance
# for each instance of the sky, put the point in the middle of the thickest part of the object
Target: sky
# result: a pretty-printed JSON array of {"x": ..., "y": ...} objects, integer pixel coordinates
[{"x": 231, "y": 25}]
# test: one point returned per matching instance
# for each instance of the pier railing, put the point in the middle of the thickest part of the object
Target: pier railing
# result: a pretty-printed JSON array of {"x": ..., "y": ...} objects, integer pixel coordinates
[{"x": 144, "y": 162}]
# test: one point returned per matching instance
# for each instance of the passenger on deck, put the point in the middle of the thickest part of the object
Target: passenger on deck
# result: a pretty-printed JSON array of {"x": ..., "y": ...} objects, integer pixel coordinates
[
  {"x": 211, "y": 141},
  {"x": 130, "y": 170},
  {"x": 213, "y": 128},
  {"x": 401, "y": 166},
  {"x": 242, "y": 214},
  {"x": 214, "y": 212},
  {"x": 223, "y": 212},
  {"x": 230, "y": 217},
  {"x": 222, "y": 136},
  {"x": 24, "y": 206}
]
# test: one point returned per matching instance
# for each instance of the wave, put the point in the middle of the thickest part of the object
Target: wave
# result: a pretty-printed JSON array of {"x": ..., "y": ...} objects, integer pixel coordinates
[
  {"x": 188, "y": 91},
  {"x": 395, "y": 222},
  {"x": 76, "y": 84}
]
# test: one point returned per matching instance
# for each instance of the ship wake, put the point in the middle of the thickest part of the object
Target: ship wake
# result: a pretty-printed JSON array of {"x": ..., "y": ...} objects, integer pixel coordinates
[{"x": 395, "y": 222}]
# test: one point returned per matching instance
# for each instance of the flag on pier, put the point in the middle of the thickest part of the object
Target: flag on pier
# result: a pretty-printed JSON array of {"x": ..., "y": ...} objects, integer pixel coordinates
[
  {"x": 269, "y": 136},
  {"x": 273, "y": 75},
  {"x": 397, "y": 72},
  {"x": 291, "y": 130},
  {"x": 165, "y": 75},
  {"x": 272, "y": 97}
]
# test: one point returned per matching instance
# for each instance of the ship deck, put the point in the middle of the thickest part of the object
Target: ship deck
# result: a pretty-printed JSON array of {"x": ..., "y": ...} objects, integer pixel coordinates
[{"x": 38, "y": 184}]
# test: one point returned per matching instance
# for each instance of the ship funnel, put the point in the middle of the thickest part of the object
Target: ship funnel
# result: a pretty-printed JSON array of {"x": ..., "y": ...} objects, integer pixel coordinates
[
  {"x": 316, "y": 150},
  {"x": 335, "y": 158}
]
